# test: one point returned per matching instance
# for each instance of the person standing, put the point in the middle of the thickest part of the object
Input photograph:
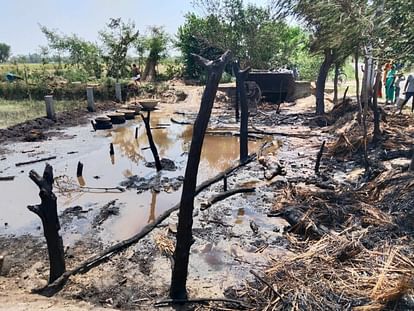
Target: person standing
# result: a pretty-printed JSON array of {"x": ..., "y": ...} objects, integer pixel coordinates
[
  {"x": 136, "y": 75},
  {"x": 389, "y": 86},
  {"x": 408, "y": 91},
  {"x": 400, "y": 78}
]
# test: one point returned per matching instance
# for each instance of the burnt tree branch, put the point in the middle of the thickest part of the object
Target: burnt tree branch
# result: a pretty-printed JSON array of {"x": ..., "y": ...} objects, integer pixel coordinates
[
  {"x": 185, "y": 221},
  {"x": 319, "y": 157},
  {"x": 224, "y": 195},
  {"x": 153, "y": 148},
  {"x": 47, "y": 212}
]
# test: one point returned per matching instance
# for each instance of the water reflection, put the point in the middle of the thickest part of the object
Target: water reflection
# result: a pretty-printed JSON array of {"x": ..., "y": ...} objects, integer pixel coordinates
[
  {"x": 152, "y": 207},
  {"x": 240, "y": 216},
  {"x": 124, "y": 139},
  {"x": 81, "y": 181}
]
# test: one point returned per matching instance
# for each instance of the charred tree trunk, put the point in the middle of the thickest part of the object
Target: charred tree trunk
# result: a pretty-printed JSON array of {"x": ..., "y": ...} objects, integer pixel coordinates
[
  {"x": 357, "y": 82},
  {"x": 319, "y": 157},
  {"x": 185, "y": 220},
  {"x": 236, "y": 106},
  {"x": 153, "y": 148},
  {"x": 375, "y": 110},
  {"x": 47, "y": 211},
  {"x": 336, "y": 75},
  {"x": 320, "y": 82},
  {"x": 241, "y": 76}
]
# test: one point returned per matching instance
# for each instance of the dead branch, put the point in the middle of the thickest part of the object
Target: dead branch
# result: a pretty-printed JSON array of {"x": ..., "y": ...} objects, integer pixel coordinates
[
  {"x": 6, "y": 178},
  {"x": 267, "y": 284},
  {"x": 223, "y": 195},
  {"x": 180, "y": 122},
  {"x": 35, "y": 161},
  {"x": 151, "y": 140},
  {"x": 303, "y": 136}
]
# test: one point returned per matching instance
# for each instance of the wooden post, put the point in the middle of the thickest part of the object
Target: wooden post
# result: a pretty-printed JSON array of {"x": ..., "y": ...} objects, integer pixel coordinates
[
  {"x": 91, "y": 102},
  {"x": 118, "y": 93},
  {"x": 241, "y": 76},
  {"x": 136, "y": 132},
  {"x": 151, "y": 140},
  {"x": 225, "y": 183},
  {"x": 50, "y": 108},
  {"x": 79, "y": 169},
  {"x": 47, "y": 211},
  {"x": 185, "y": 220}
]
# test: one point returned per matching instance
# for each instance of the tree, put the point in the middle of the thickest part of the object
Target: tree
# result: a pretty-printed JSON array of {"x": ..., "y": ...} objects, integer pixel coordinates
[
  {"x": 4, "y": 52},
  {"x": 257, "y": 38},
  {"x": 156, "y": 43},
  {"x": 81, "y": 53},
  {"x": 117, "y": 39},
  {"x": 336, "y": 28}
]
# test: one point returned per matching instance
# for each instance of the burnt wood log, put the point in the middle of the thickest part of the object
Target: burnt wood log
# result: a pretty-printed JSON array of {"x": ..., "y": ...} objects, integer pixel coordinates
[
  {"x": 36, "y": 161},
  {"x": 79, "y": 169},
  {"x": 346, "y": 91},
  {"x": 47, "y": 211},
  {"x": 241, "y": 76},
  {"x": 319, "y": 157},
  {"x": 185, "y": 221},
  {"x": 153, "y": 148},
  {"x": 224, "y": 195}
]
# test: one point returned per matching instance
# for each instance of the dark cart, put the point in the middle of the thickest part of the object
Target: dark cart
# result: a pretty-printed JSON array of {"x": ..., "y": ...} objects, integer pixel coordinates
[{"x": 276, "y": 87}]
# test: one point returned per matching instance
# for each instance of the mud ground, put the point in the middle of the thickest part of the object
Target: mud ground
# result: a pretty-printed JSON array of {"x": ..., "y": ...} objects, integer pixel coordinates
[{"x": 232, "y": 237}]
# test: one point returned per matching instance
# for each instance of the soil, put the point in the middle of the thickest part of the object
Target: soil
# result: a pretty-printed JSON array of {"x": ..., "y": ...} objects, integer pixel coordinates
[{"x": 302, "y": 232}]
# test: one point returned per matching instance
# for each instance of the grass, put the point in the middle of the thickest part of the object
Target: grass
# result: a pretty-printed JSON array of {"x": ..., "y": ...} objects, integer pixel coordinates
[{"x": 13, "y": 112}]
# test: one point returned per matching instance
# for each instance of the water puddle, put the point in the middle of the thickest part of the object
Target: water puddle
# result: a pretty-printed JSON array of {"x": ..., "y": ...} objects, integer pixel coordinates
[{"x": 101, "y": 170}]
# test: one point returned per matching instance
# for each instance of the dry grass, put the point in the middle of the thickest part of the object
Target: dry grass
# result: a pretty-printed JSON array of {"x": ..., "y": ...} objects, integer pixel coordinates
[{"x": 14, "y": 112}]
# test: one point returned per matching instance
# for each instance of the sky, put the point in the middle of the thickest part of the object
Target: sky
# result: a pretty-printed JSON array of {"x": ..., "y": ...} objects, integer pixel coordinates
[{"x": 21, "y": 18}]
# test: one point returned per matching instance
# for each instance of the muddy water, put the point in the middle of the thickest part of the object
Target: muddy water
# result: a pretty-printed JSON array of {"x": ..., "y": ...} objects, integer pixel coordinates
[{"x": 102, "y": 170}]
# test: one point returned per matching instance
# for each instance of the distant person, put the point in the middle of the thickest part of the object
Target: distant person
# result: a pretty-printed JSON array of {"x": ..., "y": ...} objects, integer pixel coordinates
[
  {"x": 136, "y": 75},
  {"x": 408, "y": 91},
  {"x": 389, "y": 86},
  {"x": 399, "y": 79}
]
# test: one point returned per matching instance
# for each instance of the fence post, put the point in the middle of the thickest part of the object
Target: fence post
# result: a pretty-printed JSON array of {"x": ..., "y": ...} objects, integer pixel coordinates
[
  {"x": 50, "y": 108},
  {"x": 118, "y": 93},
  {"x": 91, "y": 102}
]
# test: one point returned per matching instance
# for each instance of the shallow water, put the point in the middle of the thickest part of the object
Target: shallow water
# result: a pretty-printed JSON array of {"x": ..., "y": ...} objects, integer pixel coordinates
[{"x": 102, "y": 170}]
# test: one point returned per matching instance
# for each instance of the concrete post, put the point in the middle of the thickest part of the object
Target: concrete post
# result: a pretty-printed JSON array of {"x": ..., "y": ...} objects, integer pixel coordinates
[
  {"x": 91, "y": 102},
  {"x": 50, "y": 108},
  {"x": 118, "y": 92}
]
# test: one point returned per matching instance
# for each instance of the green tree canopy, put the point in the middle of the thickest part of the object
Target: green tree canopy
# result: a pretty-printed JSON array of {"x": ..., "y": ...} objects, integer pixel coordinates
[
  {"x": 254, "y": 35},
  {"x": 81, "y": 53},
  {"x": 117, "y": 39}
]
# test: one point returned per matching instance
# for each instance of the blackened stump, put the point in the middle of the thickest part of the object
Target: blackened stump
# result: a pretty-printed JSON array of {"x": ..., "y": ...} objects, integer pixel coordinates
[
  {"x": 185, "y": 221},
  {"x": 47, "y": 211}
]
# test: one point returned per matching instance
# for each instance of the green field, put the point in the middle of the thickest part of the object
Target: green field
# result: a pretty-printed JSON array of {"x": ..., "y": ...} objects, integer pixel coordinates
[{"x": 14, "y": 112}]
